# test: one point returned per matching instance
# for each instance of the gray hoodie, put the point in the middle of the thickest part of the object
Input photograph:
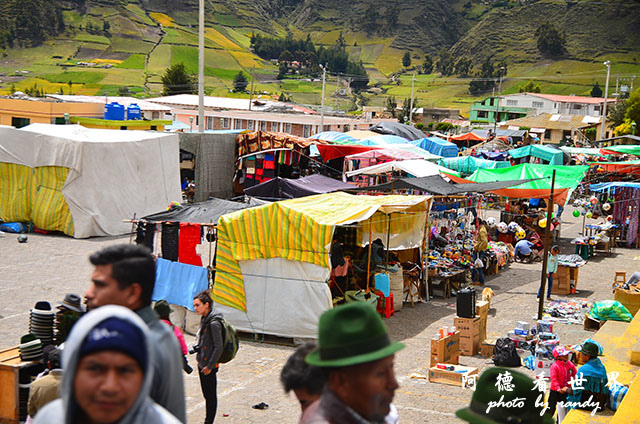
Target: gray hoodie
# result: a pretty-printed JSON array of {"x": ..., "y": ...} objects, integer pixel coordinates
[{"x": 64, "y": 410}]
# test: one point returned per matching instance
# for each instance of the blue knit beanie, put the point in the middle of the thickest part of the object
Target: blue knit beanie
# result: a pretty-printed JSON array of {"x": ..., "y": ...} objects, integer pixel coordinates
[{"x": 119, "y": 335}]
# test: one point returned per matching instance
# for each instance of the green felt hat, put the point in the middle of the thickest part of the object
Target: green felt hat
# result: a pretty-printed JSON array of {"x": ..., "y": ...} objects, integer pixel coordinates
[
  {"x": 162, "y": 308},
  {"x": 590, "y": 349},
  {"x": 349, "y": 335},
  {"x": 487, "y": 390}
]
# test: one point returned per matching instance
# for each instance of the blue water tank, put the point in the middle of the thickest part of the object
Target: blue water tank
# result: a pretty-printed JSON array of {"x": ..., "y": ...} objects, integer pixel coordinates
[
  {"x": 133, "y": 111},
  {"x": 114, "y": 112}
]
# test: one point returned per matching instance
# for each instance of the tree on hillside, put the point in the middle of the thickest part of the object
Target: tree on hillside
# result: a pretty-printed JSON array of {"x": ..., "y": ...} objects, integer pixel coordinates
[
  {"x": 240, "y": 83},
  {"x": 596, "y": 91},
  {"x": 487, "y": 77},
  {"x": 529, "y": 87},
  {"x": 551, "y": 41},
  {"x": 370, "y": 19},
  {"x": 176, "y": 80},
  {"x": 445, "y": 64},
  {"x": 340, "y": 42},
  {"x": 390, "y": 105},
  {"x": 406, "y": 59},
  {"x": 427, "y": 65},
  {"x": 391, "y": 16},
  {"x": 463, "y": 66},
  {"x": 616, "y": 113},
  {"x": 403, "y": 114},
  {"x": 124, "y": 91},
  {"x": 633, "y": 107}
]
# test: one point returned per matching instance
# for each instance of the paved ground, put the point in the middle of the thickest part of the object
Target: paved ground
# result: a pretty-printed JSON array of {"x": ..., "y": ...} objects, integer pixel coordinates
[{"x": 47, "y": 267}]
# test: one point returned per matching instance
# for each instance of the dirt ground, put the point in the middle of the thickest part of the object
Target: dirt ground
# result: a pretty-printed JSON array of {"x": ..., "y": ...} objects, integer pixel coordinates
[{"x": 47, "y": 267}]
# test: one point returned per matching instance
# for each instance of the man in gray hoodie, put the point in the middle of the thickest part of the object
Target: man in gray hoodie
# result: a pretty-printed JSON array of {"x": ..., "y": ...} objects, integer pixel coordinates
[
  {"x": 125, "y": 275},
  {"x": 108, "y": 373}
]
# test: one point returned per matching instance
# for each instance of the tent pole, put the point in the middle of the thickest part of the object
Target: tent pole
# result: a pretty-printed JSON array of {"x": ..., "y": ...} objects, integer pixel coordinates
[
  {"x": 133, "y": 223},
  {"x": 425, "y": 272},
  {"x": 388, "y": 239},
  {"x": 369, "y": 257},
  {"x": 547, "y": 241}
]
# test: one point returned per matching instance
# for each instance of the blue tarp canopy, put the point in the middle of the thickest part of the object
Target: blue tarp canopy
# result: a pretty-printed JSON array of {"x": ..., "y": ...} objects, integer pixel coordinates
[
  {"x": 437, "y": 146},
  {"x": 547, "y": 153},
  {"x": 607, "y": 186},
  {"x": 334, "y": 136},
  {"x": 469, "y": 164}
]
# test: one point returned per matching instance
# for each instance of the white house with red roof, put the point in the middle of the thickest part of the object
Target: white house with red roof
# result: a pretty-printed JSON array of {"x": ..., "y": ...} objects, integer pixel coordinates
[{"x": 539, "y": 103}]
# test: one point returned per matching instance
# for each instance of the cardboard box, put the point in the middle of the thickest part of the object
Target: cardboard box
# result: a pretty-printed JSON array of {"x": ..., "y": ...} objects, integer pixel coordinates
[
  {"x": 482, "y": 334},
  {"x": 592, "y": 324},
  {"x": 453, "y": 378},
  {"x": 470, "y": 346},
  {"x": 482, "y": 309},
  {"x": 629, "y": 298},
  {"x": 487, "y": 348},
  {"x": 467, "y": 326},
  {"x": 446, "y": 350}
]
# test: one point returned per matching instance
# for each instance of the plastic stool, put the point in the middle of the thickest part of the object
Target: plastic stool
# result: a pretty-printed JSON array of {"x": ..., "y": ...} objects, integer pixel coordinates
[
  {"x": 385, "y": 309},
  {"x": 621, "y": 277}
]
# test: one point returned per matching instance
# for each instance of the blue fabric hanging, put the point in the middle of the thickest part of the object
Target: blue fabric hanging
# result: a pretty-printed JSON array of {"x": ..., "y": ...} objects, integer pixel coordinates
[{"x": 178, "y": 283}]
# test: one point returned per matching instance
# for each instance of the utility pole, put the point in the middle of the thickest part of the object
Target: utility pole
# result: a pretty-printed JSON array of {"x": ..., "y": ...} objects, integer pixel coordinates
[
  {"x": 324, "y": 74},
  {"x": 251, "y": 92},
  {"x": 495, "y": 121},
  {"x": 201, "y": 67},
  {"x": 606, "y": 94},
  {"x": 547, "y": 242},
  {"x": 413, "y": 80}
]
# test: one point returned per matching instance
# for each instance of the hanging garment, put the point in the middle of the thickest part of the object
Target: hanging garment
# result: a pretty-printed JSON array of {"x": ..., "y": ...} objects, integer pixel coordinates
[
  {"x": 269, "y": 162},
  {"x": 145, "y": 233},
  {"x": 189, "y": 238},
  {"x": 178, "y": 283},
  {"x": 169, "y": 241}
]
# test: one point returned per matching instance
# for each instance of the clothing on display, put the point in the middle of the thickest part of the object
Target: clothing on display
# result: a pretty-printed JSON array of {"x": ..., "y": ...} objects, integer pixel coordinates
[
  {"x": 190, "y": 236},
  {"x": 145, "y": 233},
  {"x": 169, "y": 241},
  {"x": 178, "y": 283}
]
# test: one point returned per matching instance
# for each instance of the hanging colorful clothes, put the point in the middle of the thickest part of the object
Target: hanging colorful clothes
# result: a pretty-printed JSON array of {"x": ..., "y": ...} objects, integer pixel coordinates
[
  {"x": 145, "y": 234},
  {"x": 187, "y": 241}
]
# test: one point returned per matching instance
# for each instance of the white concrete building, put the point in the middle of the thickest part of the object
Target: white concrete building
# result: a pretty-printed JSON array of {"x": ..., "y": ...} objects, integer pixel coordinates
[{"x": 556, "y": 104}]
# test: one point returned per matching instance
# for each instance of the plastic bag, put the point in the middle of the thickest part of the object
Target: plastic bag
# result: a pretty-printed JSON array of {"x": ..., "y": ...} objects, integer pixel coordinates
[{"x": 610, "y": 310}]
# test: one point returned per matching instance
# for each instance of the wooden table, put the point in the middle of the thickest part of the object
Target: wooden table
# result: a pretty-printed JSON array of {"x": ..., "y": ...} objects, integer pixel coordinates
[{"x": 446, "y": 283}]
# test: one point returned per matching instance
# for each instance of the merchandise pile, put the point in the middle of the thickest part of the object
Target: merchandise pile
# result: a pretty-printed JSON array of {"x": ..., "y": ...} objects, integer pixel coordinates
[{"x": 567, "y": 311}]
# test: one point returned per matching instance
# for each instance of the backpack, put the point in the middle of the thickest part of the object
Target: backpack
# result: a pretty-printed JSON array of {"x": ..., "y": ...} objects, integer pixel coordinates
[
  {"x": 229, "y": 340},
  {"x": 505, "y": 354}
]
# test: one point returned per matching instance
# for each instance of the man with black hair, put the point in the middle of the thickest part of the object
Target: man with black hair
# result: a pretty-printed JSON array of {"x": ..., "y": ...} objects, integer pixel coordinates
[
  {"x": 47, "y": 388},
  {"x": 306, "y": 381},
  {"x": 125, "y": 275}
]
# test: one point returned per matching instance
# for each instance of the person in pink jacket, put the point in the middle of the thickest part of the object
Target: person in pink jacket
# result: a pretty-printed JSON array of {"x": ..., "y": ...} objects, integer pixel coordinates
[
  {"x": 561, "y": 372},
  {"x": 163, "y": 310}
]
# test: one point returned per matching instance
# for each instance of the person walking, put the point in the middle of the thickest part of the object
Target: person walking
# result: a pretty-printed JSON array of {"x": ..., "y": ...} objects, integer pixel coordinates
[
  {"x": 552, "y": 268},
  {"x": 208, "y": 348},
  {"x": 481, "y": 244}
]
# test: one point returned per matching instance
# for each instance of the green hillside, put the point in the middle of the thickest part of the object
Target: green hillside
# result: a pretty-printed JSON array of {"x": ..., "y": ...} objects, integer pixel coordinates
[{"x": 105, "y": 45}]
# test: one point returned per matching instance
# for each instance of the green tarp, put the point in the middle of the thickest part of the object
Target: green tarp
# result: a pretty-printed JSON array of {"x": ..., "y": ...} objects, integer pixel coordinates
[
  {"x": 549, "y": 154},
  {"x": 566, "y": 176},
  {"x": 629, "y": 149},
  {"x": 469, "y": 164}
]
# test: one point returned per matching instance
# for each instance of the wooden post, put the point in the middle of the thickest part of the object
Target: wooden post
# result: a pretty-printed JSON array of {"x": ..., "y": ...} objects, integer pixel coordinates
[
  {"x": 547, "y": 241},
  {"x": 369, "y": 257},
  {"x": 425, "y": 270}
]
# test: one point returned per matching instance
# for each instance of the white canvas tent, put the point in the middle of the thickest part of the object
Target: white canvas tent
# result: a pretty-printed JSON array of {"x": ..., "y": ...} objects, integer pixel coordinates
[
  {"x": 101, "y": 176},
  {"x": 416, "y": 167}
]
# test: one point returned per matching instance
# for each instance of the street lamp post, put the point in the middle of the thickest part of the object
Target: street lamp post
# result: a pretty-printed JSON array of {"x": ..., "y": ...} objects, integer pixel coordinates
[
  {"x": 633, "y": 128},
  {"x": 201, "y": 67},
  {"x": 606, "y": 94},
  {"x": 324, "y": 74},
  {"x": 495, "y": 121}
]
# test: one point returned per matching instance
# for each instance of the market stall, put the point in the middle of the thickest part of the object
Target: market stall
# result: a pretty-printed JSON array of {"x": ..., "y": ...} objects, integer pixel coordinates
[
  {"x": 288, "y": 188},
  {"x": 538, "y": 153},
  {"x": 468, "y": 164},
  {"x": 437, "y": 146},
  {"x": 276, "y": 256}
]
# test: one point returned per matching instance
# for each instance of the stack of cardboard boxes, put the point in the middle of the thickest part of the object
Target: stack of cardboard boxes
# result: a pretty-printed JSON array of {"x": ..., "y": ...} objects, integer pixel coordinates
[
  {"x": 565, "y": 281},
  {"x": 473, "y": 331}
]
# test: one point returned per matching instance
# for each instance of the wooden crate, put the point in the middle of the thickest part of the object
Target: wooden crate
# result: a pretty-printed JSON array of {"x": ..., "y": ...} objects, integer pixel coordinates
[
  {"x": 487, "y": 348},
  {"x": 10, "y": 365},
  {"x": 453, "y": 378}
]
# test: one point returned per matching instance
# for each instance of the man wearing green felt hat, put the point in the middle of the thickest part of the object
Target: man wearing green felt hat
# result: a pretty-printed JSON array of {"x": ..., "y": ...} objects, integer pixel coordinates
[
  {"x": 355, "y": 350},
  {"x": 503, "y": 395}
]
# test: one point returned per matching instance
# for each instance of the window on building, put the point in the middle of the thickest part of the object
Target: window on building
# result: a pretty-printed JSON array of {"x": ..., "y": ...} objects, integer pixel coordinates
[
  {"x": 547, "y": 134},
  {"x": 263, "y": 125},
  {"x": 512, "y": 103},
  {"x": 250, "y": 125},
  {"x": 20, "y": 122},
  {"x": 287, "y": 127},
  {"x": 306, "y": 131},
  {"x": 155, "y": 115},
  {"x": 274, "y": 126},
  {"x": 596, "y": 108},
  {"x": 577, "y": 107},
  {"x": 483, "y": 114},
  {"x": 226, "y": 123},
  {"x": 59, "y": 121},
  {"x": 346, "y": 128},
  {"x": 538, "y": 105},
  {"x": 154, "y": 127},
  {"x": 237, "y": 124},
  {"x": 208, "y": 123}
]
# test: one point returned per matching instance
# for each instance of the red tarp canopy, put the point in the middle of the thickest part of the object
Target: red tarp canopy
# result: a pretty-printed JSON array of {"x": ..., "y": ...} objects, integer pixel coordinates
[
  {"x": 467, "y": 137},
  {"x": 333, "y": 151}
]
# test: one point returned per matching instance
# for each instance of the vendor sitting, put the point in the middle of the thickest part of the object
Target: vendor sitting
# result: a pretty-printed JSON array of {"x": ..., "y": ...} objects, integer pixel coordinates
[
  {"x": 523, "y": 252},
  {"x": 591, "y": 380}
]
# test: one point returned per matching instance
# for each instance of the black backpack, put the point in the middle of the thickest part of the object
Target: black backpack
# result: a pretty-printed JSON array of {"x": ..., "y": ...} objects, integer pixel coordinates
[{"x": 505, "y": 354}]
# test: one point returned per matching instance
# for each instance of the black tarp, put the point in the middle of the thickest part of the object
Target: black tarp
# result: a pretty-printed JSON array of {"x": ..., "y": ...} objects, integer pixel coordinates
[
  {"x": 199, "y": 213},
  {"x": 287, "y": 188},
  {"x": 435, "y": 184},
  {"x": 396, "y": 128}
]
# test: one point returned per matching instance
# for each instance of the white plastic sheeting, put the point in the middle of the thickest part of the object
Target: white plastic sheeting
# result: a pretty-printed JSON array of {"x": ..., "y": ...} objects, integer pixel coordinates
[
  {"x": 113, "y": 174},
  {"x": 284, "y": 298},
  {"x": 417, "y": 168}
]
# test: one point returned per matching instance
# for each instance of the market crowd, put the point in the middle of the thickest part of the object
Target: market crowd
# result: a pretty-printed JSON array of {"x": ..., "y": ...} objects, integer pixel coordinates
[{"x": 122, "y": 362}]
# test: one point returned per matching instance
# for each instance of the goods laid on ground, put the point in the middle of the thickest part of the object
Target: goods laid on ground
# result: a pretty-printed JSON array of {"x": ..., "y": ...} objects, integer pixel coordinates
[{"x": 455, "y": 375}]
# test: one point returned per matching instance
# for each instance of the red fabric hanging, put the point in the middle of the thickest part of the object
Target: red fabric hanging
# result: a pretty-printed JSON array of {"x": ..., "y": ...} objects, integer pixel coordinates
[{"x": 187, "y": 241}]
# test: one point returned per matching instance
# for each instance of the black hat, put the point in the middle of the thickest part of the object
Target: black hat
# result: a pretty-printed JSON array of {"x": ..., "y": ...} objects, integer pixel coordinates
[{"x": 72, "y": 302}]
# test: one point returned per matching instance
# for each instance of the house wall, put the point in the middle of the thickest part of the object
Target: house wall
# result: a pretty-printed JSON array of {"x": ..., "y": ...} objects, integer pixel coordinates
[
  {"x": 540, "y": 105},
  {"x": 44, "y": 112}
]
